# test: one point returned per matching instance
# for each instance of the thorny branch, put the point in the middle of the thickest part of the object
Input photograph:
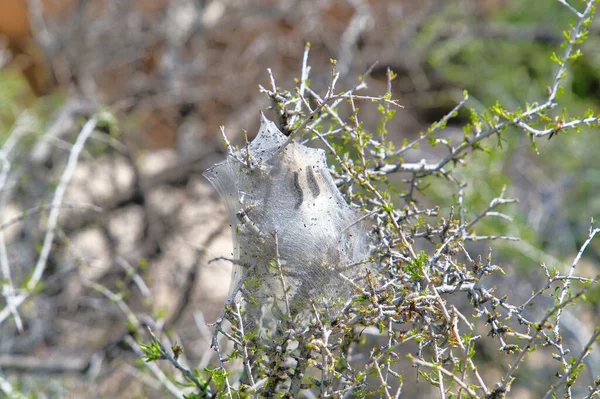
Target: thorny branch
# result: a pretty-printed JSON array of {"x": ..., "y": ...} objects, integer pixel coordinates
[
  {"x": 413, "y": 297},
  {"x": 526, "y": 121}
]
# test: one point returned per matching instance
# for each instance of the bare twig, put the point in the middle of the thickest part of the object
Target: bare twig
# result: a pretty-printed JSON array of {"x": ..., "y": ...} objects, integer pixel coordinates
[{"x": 57, "y": 200}]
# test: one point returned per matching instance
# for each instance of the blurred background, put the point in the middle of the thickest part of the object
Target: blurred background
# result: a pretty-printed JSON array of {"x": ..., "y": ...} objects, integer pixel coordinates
[{"x": 140, "y": 220}]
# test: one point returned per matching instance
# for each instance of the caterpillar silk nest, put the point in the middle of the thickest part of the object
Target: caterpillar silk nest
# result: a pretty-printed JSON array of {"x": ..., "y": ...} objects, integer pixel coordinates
[{"x": 295, "y": 237}]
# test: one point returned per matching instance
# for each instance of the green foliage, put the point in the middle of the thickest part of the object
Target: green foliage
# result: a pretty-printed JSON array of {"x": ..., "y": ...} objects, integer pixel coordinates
[{"x": 152, "y": 351}]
